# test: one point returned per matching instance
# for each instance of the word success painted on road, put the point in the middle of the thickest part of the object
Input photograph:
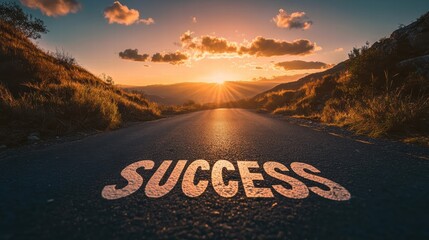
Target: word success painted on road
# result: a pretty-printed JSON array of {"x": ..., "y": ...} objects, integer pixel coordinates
[{"x": 250, "y": 174}]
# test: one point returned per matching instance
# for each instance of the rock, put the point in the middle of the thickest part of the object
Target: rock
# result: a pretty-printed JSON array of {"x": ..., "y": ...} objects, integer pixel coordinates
[
  {"x": 37, "y": 134},
  {"x": 33, "y": 137},
  {"x": 419, "y": 65},
  {"x": 408, "y": 41},
  {"x": 415, "y": 35},
  {"x": 419, "y": 41},
  {"x": 415, "y": 62}
]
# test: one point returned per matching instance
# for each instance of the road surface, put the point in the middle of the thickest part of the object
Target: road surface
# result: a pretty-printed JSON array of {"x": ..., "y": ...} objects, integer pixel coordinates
[{"x": 54, "y": 192}]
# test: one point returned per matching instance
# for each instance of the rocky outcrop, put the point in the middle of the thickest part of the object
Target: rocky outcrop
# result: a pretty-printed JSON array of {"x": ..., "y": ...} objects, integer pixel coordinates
[
  {"x": 409, "y": 41},
  {"x": 419, "y": 65}
]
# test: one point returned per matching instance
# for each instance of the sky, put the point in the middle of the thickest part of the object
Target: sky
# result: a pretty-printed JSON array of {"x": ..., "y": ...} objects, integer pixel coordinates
[{"x": 143, "y": 42}]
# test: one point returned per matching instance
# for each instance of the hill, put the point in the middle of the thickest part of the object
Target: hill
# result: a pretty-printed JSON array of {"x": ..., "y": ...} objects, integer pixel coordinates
[
  {"x": 381, "y": 90},
  {"x": 294, "y": 85},
  {"x": 203, "y": 92},
  {"x": 48, "y": 94}
]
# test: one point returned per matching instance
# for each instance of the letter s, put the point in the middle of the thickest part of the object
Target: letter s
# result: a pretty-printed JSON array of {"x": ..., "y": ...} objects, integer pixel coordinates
[
  {"x": 298, "y": 189},
  {"x": 135, "y": 181},
  {"x": 336, "y": 191}
]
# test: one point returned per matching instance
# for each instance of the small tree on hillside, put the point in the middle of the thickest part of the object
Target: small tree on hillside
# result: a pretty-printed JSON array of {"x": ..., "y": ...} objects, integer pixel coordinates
[{"x": 13, "y": 14}]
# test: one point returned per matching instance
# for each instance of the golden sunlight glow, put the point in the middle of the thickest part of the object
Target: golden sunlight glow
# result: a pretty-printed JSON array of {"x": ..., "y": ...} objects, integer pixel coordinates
[
  {"x": 220, "y": 81},
  {"x": 220, "y": 77}
]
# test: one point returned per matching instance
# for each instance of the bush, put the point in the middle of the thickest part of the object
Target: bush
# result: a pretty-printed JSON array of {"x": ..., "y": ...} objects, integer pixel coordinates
[
  {"x": 335, "y": 111},
  {"x": 390, "y": 113},
  {"x": 63, "y": 58},
  {"x": 107, "y": 79}
]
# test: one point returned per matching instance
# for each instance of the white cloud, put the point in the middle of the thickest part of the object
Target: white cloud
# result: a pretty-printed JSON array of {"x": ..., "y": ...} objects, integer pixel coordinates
[{"x": 148, "y": 21}]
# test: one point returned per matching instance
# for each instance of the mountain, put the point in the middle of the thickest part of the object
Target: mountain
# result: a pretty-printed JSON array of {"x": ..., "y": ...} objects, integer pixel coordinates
[
  {"x": 49, "y": 94},
  {"x": 294, "y": 85},
  {"x": 381, "y": 90},
  {"x": 203, "y": 92}
]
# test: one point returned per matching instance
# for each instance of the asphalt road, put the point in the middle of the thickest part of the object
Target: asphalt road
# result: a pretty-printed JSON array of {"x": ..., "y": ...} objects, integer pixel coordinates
[{"x": 54, "y": 192}]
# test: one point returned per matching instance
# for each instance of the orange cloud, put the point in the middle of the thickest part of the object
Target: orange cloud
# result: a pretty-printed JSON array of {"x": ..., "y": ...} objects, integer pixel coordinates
[
  {"x": 186, "y": 38},
  {"x": 53, "y": 8},
  {"x": 296, "y": 20},
  {"x": 259, "y": 47},
  {"x": 121, "y": 14},
  {"x": 339, "y": 49},
  {"x": 217, "y": 47},
  {"x": 194, "y": 19},
  {"x": 262, "y": 47},
  {"x": 301, "y": 65},
  {"x": 133, "y": 54},
  {"x": 214, "y": 45}
]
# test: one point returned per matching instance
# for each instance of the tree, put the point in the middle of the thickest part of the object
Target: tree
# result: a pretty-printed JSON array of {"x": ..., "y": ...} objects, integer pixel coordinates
[{"x": 13, "y": 14}]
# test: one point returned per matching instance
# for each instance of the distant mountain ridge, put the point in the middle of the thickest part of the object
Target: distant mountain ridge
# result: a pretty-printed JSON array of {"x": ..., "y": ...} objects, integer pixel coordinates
[
  {"x": 294, "y": 85},
  {"x": 203, "y": 92}
]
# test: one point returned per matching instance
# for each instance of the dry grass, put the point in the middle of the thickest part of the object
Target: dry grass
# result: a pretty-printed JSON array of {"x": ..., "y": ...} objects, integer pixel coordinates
[
  {"x": 392, "y": 111},
  {"x": 389, "y": 114},
  {"x": 50, "y": 94}
]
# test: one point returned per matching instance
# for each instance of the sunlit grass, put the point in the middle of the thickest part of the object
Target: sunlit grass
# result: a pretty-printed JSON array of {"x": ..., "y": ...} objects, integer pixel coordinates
[{"x": 53, "y": 96}]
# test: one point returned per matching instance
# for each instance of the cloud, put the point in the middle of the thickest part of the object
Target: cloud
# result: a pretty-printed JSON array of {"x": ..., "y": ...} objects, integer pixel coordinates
[
  {"x": 209, "y": 44},
  {"x": 121, "y": 14},
  {"x": 133, "y": 54},
  {"x": 148, "y": 21},
  {"x": 196, "y": 48},
  {"x": 262, "y": 47},
  {"x": 186, "y": 38},
  {"x": 259, "y": 47},
  {"x": 301, "y": 65},
  {"x": 259, "y": 68},
  {"x": 53, "y": 8},
  {"x": 339, "y": 49},
  {"x": 297, "y": 20},
  {"x": 194, "y": 19},
  {"x": 172, "y": 58}
]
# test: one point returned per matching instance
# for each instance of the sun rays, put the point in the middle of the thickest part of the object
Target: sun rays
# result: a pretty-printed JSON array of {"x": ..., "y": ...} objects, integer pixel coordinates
[{"x": 221, "y": 91}]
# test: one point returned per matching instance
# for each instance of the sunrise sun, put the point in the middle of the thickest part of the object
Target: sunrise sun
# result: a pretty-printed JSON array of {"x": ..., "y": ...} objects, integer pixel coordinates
[
  {"x": 219, "y": 81},
  {"x": 220, "y": 77}
]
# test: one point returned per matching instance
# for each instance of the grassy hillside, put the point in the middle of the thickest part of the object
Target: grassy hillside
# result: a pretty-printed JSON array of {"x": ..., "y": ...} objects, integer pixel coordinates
[
  {"x": 49, "y": 93},
  {"x": 382, "y": 90}
]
